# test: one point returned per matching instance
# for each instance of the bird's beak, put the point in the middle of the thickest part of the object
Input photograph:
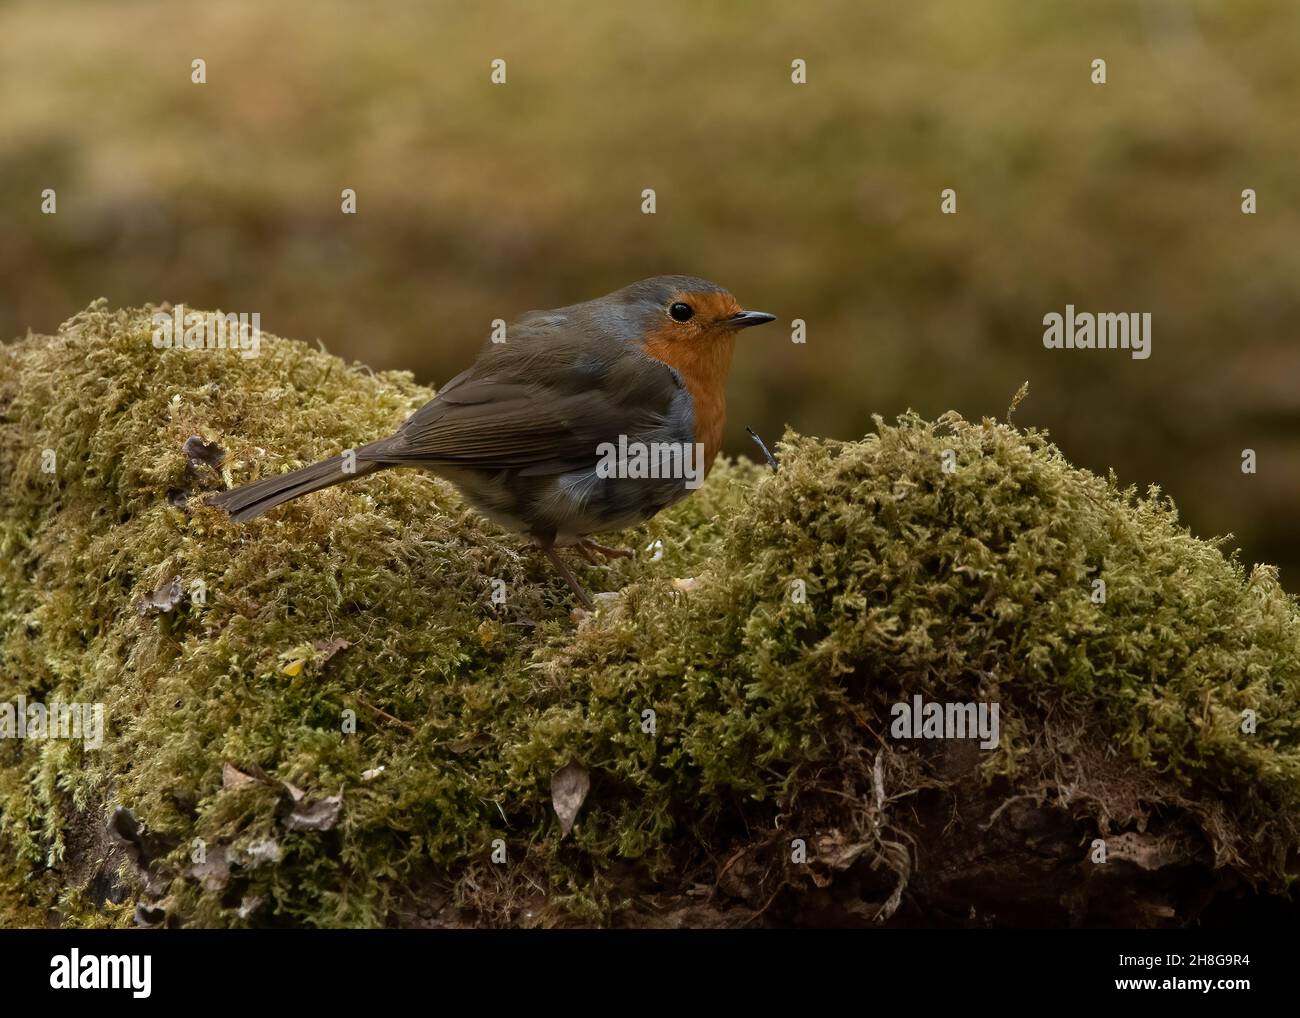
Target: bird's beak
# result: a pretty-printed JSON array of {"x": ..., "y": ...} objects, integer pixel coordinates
[{"x": 744, "y": 319}]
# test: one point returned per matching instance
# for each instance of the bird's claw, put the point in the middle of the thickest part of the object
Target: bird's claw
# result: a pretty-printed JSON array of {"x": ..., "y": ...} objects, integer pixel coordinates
[{"x": 587, "y": 546}]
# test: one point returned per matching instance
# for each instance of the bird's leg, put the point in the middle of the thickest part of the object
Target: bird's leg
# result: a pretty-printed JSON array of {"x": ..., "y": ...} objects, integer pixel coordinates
[
  {"x": 587, "y": 545},
  {"x": 569, "y": 578}
]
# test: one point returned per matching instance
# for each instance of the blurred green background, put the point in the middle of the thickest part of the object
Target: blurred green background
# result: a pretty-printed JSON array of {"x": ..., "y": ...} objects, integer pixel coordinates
[{"x": 817, "y": 201}]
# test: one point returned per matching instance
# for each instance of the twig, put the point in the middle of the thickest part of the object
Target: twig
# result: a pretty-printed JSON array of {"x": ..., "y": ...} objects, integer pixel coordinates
[
  {"x": 771, "y": 460},
  {"x": 386, "y": 716}
]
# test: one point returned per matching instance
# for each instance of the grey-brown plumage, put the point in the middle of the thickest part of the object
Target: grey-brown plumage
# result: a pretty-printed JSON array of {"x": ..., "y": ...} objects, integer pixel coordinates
[{"x": 518, "y": 433}]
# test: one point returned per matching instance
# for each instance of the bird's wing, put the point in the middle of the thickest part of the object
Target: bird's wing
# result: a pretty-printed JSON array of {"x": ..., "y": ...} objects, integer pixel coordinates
[{"x": 540, "y": 412}]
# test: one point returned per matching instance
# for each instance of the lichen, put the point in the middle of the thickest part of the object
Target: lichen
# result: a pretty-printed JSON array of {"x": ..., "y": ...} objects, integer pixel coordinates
[{"x": 953, "y": 559}]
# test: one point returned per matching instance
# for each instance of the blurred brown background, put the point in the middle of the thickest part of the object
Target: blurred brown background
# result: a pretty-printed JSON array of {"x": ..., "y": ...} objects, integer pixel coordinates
[{"x": 820, "y": 201}]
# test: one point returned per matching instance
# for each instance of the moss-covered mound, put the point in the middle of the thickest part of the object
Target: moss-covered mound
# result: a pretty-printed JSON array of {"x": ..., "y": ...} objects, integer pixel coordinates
[{"x": 352, "y": 710}]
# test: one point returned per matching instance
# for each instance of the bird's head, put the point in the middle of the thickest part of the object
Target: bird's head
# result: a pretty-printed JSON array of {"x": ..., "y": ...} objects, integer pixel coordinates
[{"x": 686, "y": 312}]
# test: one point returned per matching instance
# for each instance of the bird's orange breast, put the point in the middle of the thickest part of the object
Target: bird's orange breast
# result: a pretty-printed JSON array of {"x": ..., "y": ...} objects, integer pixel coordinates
[{"x": 703, "y": 364}]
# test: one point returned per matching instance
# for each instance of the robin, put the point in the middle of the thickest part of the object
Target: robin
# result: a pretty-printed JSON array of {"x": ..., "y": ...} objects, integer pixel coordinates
[{"x": 588, "y": 418}]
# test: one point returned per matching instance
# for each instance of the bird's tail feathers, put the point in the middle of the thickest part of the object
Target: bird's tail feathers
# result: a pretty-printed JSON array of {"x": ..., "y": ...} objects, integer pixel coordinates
[{"x": 252, "y": 500}]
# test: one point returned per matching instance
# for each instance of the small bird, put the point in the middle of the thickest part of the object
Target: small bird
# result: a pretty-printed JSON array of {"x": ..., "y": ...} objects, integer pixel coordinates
[{"x": 540, "y": 433}]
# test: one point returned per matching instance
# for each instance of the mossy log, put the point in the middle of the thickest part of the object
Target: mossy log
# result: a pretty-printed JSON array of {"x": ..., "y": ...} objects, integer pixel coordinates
[{"x": 352, "y": 710}]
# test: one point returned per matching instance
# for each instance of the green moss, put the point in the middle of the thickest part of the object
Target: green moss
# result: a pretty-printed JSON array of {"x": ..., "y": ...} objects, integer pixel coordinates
[{"x": 974, "y": 583}]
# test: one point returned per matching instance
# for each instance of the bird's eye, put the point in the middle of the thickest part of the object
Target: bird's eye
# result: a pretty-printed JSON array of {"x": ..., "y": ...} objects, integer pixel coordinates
[{"x": 681, "y": 312}]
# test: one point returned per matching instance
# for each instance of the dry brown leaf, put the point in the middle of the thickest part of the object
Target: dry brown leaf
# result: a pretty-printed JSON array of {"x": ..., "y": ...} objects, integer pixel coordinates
[
  {"x": 569, "y": 787},
  {"x": 233, "y": 777}
]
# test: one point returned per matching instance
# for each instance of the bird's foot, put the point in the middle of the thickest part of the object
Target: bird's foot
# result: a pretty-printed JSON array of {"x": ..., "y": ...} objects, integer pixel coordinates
[
  {"x": 569, "y": 578},
  {"x": 587, "y": 546}
]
